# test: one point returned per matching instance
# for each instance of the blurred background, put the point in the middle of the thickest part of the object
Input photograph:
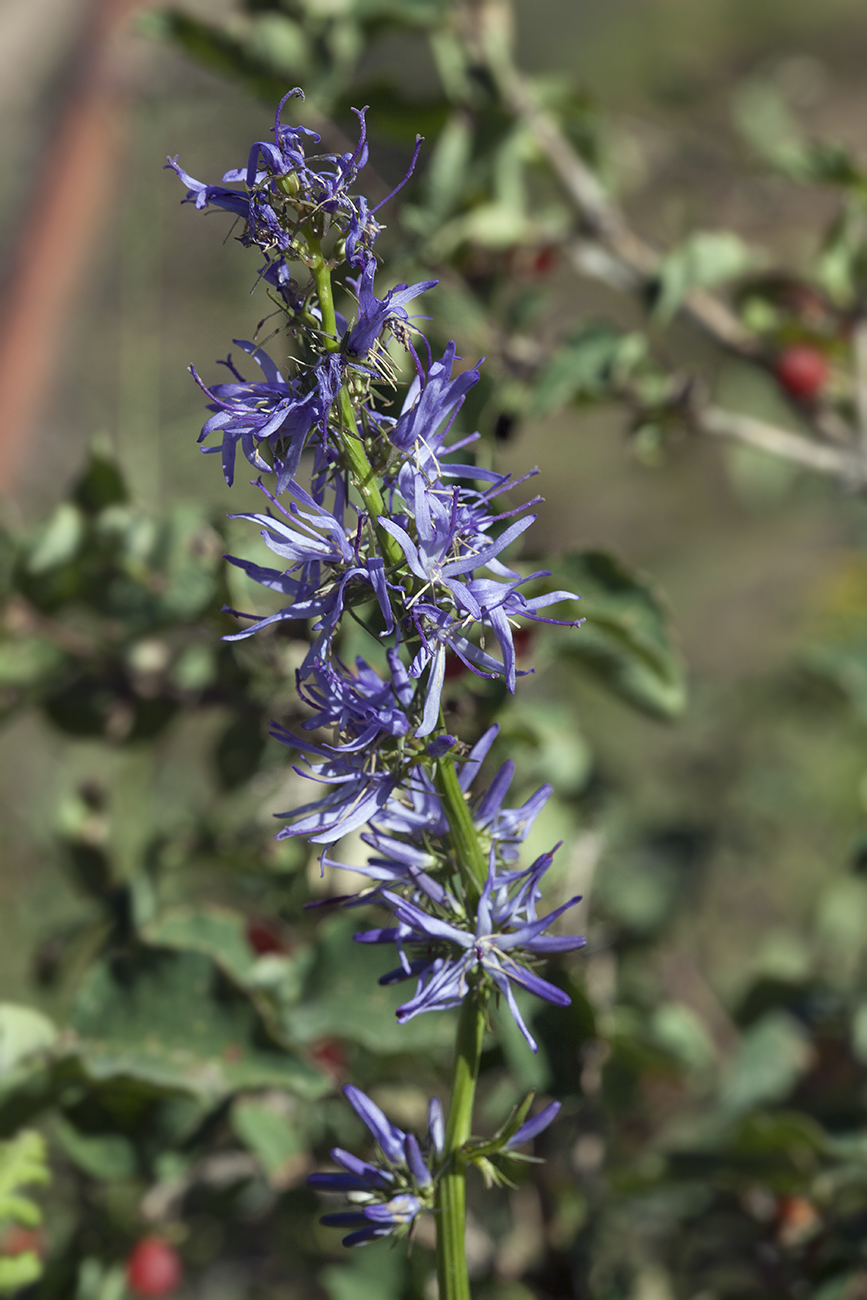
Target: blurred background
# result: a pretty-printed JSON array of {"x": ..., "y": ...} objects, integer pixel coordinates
[{"x": 708, "y": 757}]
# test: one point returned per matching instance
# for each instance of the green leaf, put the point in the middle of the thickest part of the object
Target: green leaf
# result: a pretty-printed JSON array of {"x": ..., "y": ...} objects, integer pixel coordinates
[
  {"x": 188, "y": 554},
  {"x": 705, "y": 259},
  {"x": 590, "y": 365},
  {"x": 24, "y": 1033},
  {"x": 841, "y": 268},
  {"x": 549, "y": 745},
  {"x": 169, "y": 1022},
  {"x": 108, "y": 1157},
  {"x": 626, "y": 641},
  {"x": 843, "y": 1286},
  {"x": 342, "y": 998},
  {"x": 375, "y": 1273},
  {"x": 772, "y": 1056},
  {"x": 765, "y": 120},
  {"x": 279, "y": 44},
  {"x": 58, "y": 541},
  {"x": 216, "y": 932},
  {"x": 23, "y": 1161},
  {"x": 27, "y": 660},
  {"x": 678, "y": 1030},
  {"x": 447, "y": 169},
  {"x": 100, "y": 485},
  {"x": 267, "y": 1131},
  {"x": 786, "y": 1137},
  {"x": 19, "y": 1272}
]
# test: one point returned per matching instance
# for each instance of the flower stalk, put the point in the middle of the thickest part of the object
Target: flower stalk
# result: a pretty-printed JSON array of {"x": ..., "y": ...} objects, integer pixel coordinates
[
  {"x": 363, "y": 478},
  {"x": 451, "y": 1205},
  {"x": 468, "y": 852},
  {"x": 424, "y": 549}
]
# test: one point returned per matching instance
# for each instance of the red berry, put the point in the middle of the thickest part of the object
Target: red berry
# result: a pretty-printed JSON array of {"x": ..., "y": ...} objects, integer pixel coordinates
[
  {"x": 544, "y": 260},
  {"x": 330, "y": 1055},
  {"x": 154, "y": 1268},
  {"x": 20, "y": 1241},
  {"x": 264, "y": 937},
  {"x": 801, "y": 370}
]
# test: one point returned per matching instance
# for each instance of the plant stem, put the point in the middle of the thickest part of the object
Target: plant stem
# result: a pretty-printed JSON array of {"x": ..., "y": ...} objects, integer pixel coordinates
[
  {"x": 454, "y": 1283},
  {"x": 465, "y": 840},
  {"x": 360, "y": 468}
]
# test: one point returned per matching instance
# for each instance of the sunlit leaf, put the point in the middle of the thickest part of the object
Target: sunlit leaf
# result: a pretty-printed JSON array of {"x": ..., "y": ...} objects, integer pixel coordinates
[
  {"x": 22, "y": 1163},
  {"x": 704, "y": 260},
  {"x": 171, "y": 1023}
]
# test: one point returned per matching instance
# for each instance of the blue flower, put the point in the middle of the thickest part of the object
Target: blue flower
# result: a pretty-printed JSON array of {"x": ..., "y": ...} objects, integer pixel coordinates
[
  {"x": 430, "y": 407},
  {"x": 453, "y": 956},
  {"x": 282, "y": 187},
  {"x": 362, "y": 790},
  {"x": 390, "y": 1193},
  {"x": 274, "y": 412},
  {"x": 533, "y": 1127},
  {"x": 398, "y": 864},
  {"x": 375, "y": 313},
  {"x": 362, "y": 706},
  {"x": 313, "y": 538},
  {"x": 417, "y": 812}
]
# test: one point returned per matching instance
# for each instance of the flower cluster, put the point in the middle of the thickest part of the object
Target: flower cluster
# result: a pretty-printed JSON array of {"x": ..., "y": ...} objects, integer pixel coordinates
[
  {"x": 390, "y": 1193},
  {"x": 283, "y": 191},
  {"x": 451, "y": 956},
  {"x": 394, "y": 526},
  {"x": 392, "y": 1190}
]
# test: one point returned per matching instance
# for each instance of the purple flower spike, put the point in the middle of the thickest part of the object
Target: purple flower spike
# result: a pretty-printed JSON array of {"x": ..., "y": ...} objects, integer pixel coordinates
[
  {"x": 389, "y": 1138},
  {"x": 450, "y": 952},
  {"x": 389, "y": 1195},
  {"x": 533, "y": 1127},
  {"x": 375, "y": 313}
]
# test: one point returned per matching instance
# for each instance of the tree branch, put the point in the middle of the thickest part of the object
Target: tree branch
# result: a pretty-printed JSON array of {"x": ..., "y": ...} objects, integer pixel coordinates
[
  {"x": 840, "y": 462},
  {"x": 602, "y": 217}
]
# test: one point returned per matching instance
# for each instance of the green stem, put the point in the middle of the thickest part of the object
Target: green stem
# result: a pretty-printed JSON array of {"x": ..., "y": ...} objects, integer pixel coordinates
[
  {"x": 465, "y": 838},
  {"x": 454, "y": 1283},
  {"x": 360, "y": 468}
]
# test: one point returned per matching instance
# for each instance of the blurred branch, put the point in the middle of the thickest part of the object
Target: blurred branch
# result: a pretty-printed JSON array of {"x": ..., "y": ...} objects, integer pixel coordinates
[
  {"x": 488, "y": 30},
  {"x": 613, "y": 253},
  {"x": 840, "y": 462}
]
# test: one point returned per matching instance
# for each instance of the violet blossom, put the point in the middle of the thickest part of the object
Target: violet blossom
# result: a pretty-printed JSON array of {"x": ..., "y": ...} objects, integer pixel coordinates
[{"x": 392, "y": 1191}]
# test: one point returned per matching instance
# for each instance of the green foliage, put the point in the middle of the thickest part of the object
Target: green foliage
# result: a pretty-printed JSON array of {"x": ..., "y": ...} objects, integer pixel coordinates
[
  {"x": 341, "y": 998},
  {"x": 703, "y": 261},
  {"x": 763, "y": 115},
  {"x": 772, "y": 1056},
  {"x": 167, "y": 1022},
  {"x": 626, "y": 641},
  {"x": 22, "y": 1164},
  {"x": 272, "y": 1136},
  {"x": 593, "y": 364}
]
